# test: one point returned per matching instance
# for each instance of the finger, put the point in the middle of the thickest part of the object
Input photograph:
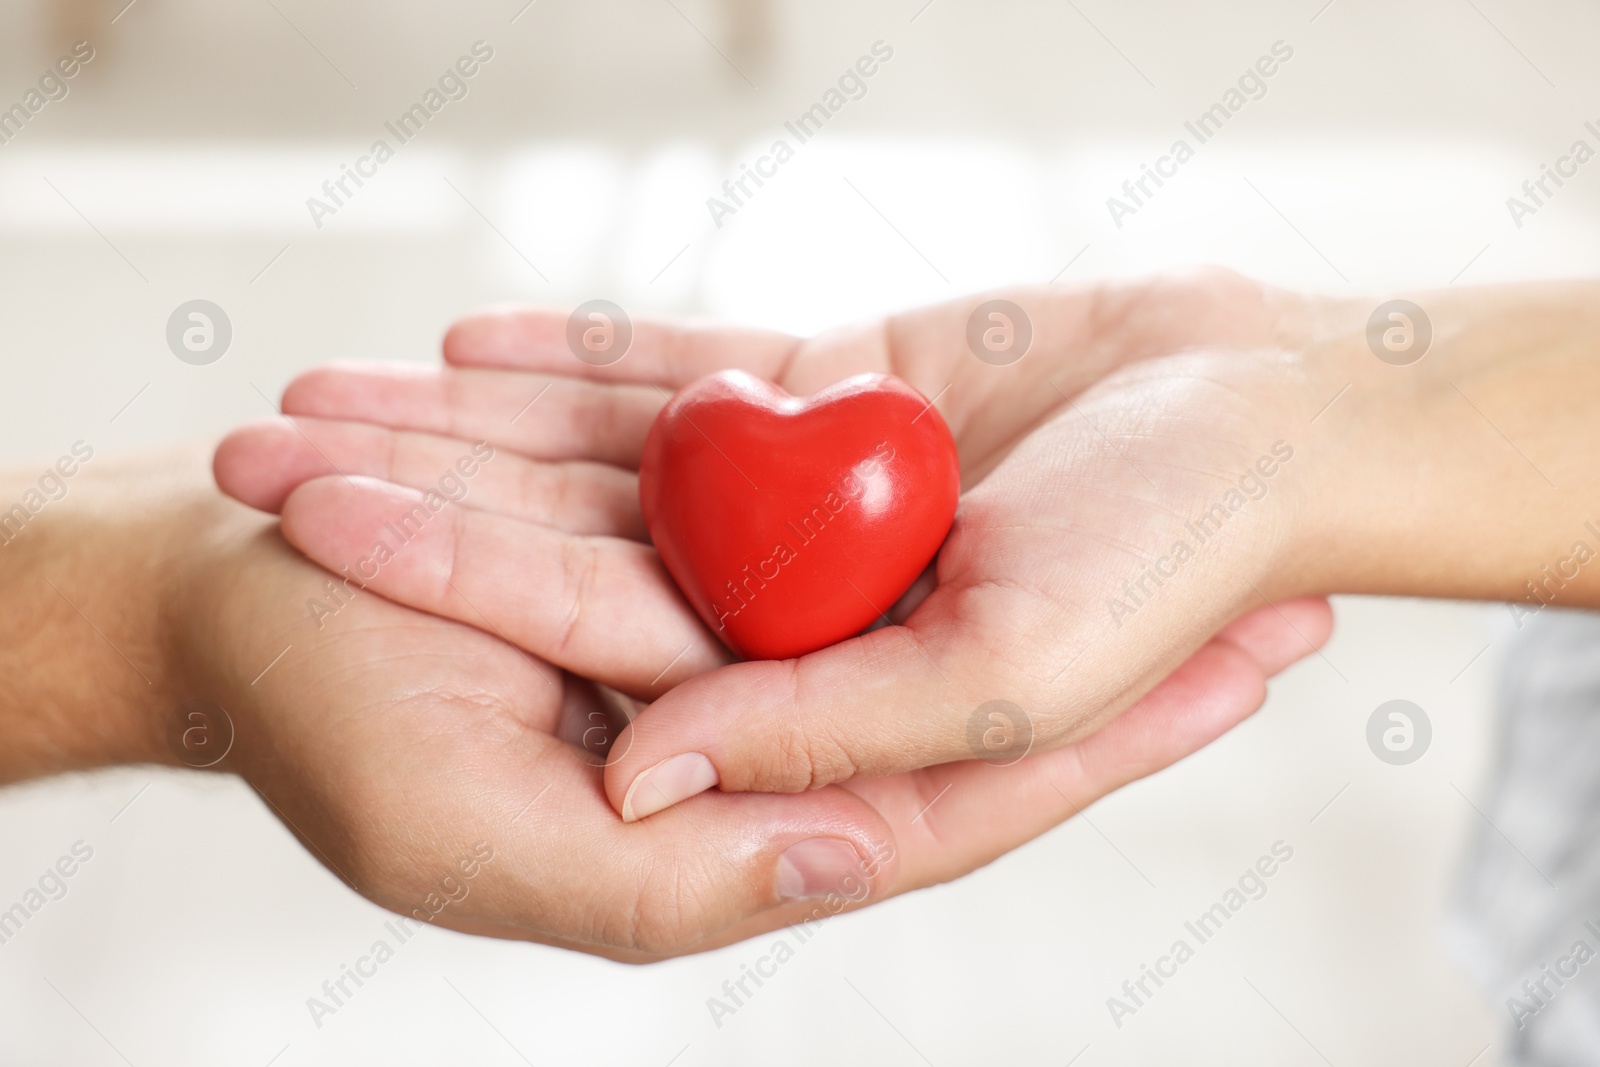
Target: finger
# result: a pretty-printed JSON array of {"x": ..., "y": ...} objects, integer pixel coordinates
[
  {"x": 1280, "y": 634},
  {"x": 601, "y": 607},
  {"x": 535, "y": 852},
  {"x": 949, "y": 819},
  {"x": 668, "y": 354},
  {"x": 412, "y": 755},
  {"x": 946, "y": 821},
  {"x": 890, "y": 701},
  {"x": 540, "y": 417},
  {"x": 260, "y": 464}
]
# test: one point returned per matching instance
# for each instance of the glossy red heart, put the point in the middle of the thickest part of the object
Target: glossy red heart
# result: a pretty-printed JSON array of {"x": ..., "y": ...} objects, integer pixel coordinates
[{"x": 792, "y": 523}]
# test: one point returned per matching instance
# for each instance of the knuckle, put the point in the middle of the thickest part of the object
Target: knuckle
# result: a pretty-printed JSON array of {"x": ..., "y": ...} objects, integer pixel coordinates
[
  {"x": 579, "y": 564},
  {"x": 666, "y": 916},
  {"x": 800, "y": 757},
  {"x": 454, "y": 567}
]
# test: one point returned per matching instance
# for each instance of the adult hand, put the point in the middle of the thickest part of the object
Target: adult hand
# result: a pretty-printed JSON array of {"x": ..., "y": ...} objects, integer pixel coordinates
[
  {"x": 431, "y": 766},
  {"x": 443, "y": 773},
  {"x": 393, "y": 743},
  {"x": 1137, "y": 410}
]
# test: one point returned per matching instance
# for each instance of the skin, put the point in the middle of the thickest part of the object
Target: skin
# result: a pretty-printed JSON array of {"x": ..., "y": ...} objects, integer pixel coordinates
[
  {"x": 396, "y": 744},
  {"x": 1141, "y": 406}
]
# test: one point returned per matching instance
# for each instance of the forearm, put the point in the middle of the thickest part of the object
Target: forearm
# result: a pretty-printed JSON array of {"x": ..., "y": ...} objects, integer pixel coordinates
[
  {"x": 88, "y": 673},
  {"x": 1471, "y": 473}
]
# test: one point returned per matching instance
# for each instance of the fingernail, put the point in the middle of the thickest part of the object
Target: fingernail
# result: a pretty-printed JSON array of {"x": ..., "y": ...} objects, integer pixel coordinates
[
  {"x": 667, "y": 783},
  {"x": 816, "y": 867}
]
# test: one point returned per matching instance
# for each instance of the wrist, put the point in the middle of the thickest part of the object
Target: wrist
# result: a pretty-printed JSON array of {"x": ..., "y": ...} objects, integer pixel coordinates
[
  {"x": 1286, "y": 359},
  {"x": 86, "y": 643},
  {"x": 221, "y": 641},
  {"x": 1317, "y": 373},
  {"x": 1459, "y": 473}
]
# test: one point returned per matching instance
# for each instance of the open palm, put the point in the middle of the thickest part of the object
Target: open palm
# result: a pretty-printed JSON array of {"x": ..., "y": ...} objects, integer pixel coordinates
[{"x": 1135, "y": 410}]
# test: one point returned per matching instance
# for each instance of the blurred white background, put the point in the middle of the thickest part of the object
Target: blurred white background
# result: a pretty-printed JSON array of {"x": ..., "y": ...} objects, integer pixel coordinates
[{"x": 578, "y": 166}]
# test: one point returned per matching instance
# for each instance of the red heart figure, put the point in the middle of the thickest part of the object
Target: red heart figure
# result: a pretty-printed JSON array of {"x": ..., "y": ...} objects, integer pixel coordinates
[{"x": 792, "y": 523}]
